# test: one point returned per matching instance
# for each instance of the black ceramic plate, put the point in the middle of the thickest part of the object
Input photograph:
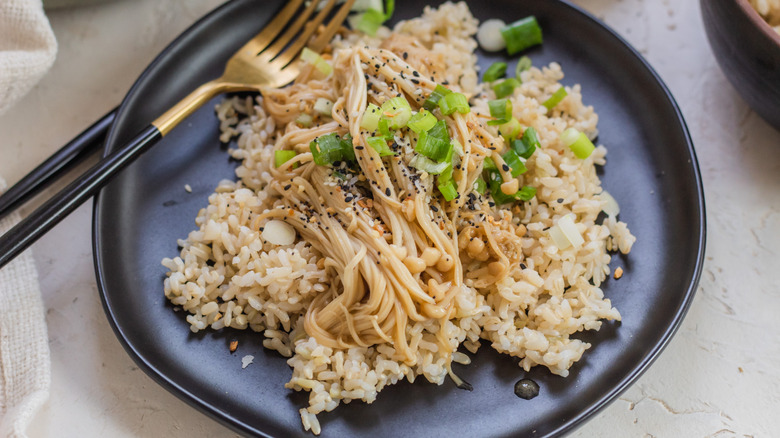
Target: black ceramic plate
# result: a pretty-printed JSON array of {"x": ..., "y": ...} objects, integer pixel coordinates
[{"x": 651, "y": 170}]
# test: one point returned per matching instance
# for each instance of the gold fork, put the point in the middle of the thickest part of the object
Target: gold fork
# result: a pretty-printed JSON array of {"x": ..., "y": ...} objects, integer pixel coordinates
[{"x": 265, "y": 60}]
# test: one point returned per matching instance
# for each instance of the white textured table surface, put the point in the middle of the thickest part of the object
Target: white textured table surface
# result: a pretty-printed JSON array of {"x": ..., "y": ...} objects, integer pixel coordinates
[{"x": 718, "y": 377}]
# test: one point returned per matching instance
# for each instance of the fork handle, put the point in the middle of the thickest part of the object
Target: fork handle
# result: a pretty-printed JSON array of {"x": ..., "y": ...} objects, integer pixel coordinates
[{"x": 68, "y": 199}]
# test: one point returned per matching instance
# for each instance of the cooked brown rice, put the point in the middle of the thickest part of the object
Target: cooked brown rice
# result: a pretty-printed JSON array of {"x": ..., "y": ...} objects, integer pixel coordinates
[{"x": 227, "y": 275}]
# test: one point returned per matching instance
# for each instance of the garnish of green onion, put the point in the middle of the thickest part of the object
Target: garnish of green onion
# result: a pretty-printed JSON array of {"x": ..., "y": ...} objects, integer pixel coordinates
[
  {"x": 323, "y": 106},
  {"x": 446, "y": 174},
  {"x": 565, "y": 233},
  {"x": 436, "y": 95},
  {"x": 522, "y": 34},
  {"x": 523, "y": 64},
  {"x": 379, "y": 144},
  {"x": 501, "y": 109},
  {"x": 422, "y": 121},
  {"x": 495, "y": 188},
  {"x": 454, "y": 102},
  {"x": 329, "y": 148},
  {"x": 383, "y": 128},
  {"x": 495, "y": 71},
  {"x": 424, "y": 164},
  {"x": 364, "y": 5},
  {"x": 326, "y": 149},
  {"x": 448, "y": 191},
  {"x": 433, "y": 144},
  {"x": 526, "y": 146},
  {"x": 578, "y": 142},
  {"x": 489, "y": 164},
  {"x": 510, "y": 130},
  {"x": 367, "y": 22},
  {"x": 347, "y": 148},
  {"x": 506, "y": 87},
  {"x": 397, "y": 111},
  {"x": 283, "y": 156},
  {"x": 372, "y": 15},
  {"x": 304, "y": 120},
  {"x": 526, "y": 193},
  {"x": 457, "y": 148},
  {"x": 339, "y": 175},
  {"x": 480, "y": 185},
  {"x": 513, "y": 161},
  {"x": 371, "y": 116},
  {"x": 556, "y": 98},
  {"x": 317, "y": 61}
]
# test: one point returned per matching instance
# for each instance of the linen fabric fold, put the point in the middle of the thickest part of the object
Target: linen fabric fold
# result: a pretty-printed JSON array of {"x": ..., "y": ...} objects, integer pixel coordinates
[{"x": 27, "y": 48}]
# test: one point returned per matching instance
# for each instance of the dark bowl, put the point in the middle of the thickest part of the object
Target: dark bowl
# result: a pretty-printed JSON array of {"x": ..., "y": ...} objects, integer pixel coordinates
[{"x": 748, "y": 51}]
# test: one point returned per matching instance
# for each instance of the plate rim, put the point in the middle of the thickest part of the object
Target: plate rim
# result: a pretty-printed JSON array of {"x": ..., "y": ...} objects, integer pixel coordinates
[{"x": 590, "y": 411}]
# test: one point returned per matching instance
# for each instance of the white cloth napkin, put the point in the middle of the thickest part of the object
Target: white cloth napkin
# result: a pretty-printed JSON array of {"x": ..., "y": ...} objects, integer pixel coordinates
[
  {"x": 27, "y": 50},
  {"x": 25, "y": 372}
]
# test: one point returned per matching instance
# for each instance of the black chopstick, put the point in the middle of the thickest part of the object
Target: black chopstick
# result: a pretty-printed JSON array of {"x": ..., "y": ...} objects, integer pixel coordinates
[
  {"x": 82, "y": 146},
  {"x": 51, "y": 212}
]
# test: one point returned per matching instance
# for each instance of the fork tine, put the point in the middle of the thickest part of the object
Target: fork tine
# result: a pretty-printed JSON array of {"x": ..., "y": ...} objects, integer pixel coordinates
[
  {"x": 327, "y": 34},
  {"x": 291, "y": 52},
  {"x": 271, "y": 30},
  {"x": 291, "y": 31}
]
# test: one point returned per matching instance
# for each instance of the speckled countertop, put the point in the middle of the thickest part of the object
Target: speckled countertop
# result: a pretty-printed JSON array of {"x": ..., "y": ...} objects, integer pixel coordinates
[{"x": 718, "y": 376}]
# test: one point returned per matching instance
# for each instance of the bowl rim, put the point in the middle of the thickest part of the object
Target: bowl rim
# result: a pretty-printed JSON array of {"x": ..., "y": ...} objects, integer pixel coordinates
[{"x": 759, "y": 21}]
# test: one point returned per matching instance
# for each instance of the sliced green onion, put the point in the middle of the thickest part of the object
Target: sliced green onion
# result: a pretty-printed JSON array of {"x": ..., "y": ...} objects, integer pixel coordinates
[
  {"x": 501, "y": 109},
  {"x": 439, "y": 130},
  {"x": 526, "y": 193},
  {"x": 432, "y": 145},
  {"x": 523, "y": 64},
  {"x": 317, "y": 61},
  {"x": 309, "y": 55},
  {"x": 513, "y": 161},
  {"x": 347, "y": 148},
  {"x": 578, "y": 142},
  {"x": 446, "y": 174},
  {"x": 323, "y": 106},
  {"x": 397, "y": 111},
  {"x": 422, "y": 121},
  {"x": 367, "y": 22},
  {"x": 364, "y": 5},
  {"x": 510, "y": 130},
  {"x": 304, "y": 120},
  {"x": 457, "y": 147},
  {"x": 495, "y": 188},
  {"x": 339, "y": 175},
  {"x": 506, "y": 88},
  {"x": 480, "y": 185},
  {"x": 555, "y": 99},
  {"x": 454, "y": 102},
  {"x": 424, "y": 164},
  {"x": 449, "y": 191},
  {"x": 495, "y": 71},
  {"x": 379, "y": 144},
  {"x": 565, "y": 233},
  {"x": 389, "y": 8},
  {"x": 383, "y": 127},
  {"x": 283, "y": 156},
  {"x": 489, "y": 164},
  {"x": 436, "y": 95},
  {"x": 522, "y": 34},
  {"x": 611, "y": 207},
  {"x": 326, "y": 149},
  {"x": 329, "y": 148},
  {"x": 371, "y": 116},
  {"x": 372, "y": 16},
  {"x": 526, "y": 147}
]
